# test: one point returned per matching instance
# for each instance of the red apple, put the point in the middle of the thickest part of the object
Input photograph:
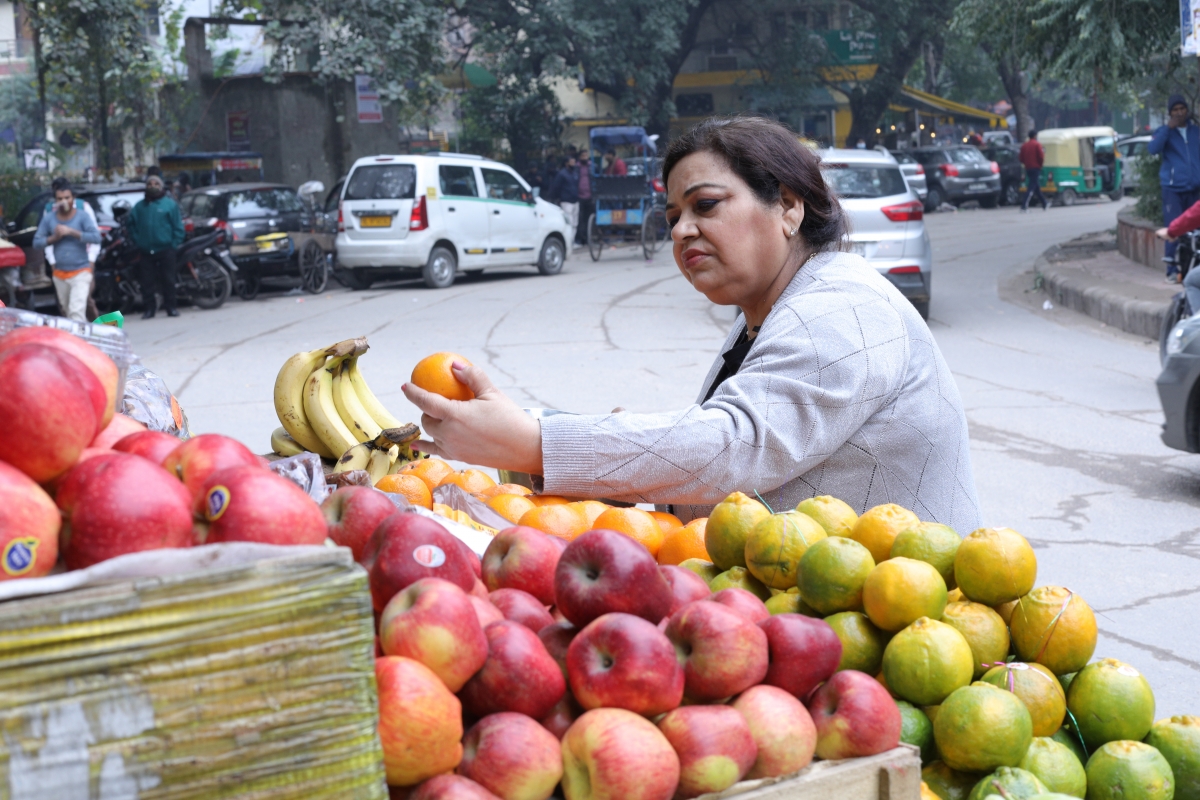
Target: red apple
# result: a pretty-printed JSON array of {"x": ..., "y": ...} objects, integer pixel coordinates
[
  {"x": 521, "y": 607},
  {"x": 722, "y": 652},
  {"x": 50, "y": 405},
  {"x": 420, "y": 721},
  {"x": 512, "y": 756},
  {"x": 523, "y": 558},
  {"x": 854, "y": 716},
  {"x": 252, "y": 504},
  {"x": 92, "y": 357},
  {"x": 199, "y": 457},
  {"x": 603, "y": 571},
  {"x": 151, "y": 445},
  {"x": 623, "y": 661},
  {"x": 29, "y": 523},
  {"x": 742, "y": 602},
  {"x": 804, "y": 652},
  {"x": 479, "y": 590},
  {"x": 117, "y": 429},
  {"x": 562, "y": 716},
  {"x": 782, "y": 729},
  {"x": 714, "y": 746},
  {"x": 686, "y": 586},
  {"x": 433, "y": 621},
  {"x": 353, "y": 513},
  {"x": 614, "y": 754},
  {"x": 451, "y": 787},
  {"x": 519, "y": 675},
  {"x": 485, "y": 612},
  {"x": 557, "y": 638},
  {"x": 407, "y": 547},
  {"x": 117, "y": 503}
]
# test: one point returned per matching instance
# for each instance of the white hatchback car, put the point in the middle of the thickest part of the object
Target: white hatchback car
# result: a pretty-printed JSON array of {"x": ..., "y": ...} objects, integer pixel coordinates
[
  {"x": 442, "y": 214},
  {"x": 886, "y": 219}
]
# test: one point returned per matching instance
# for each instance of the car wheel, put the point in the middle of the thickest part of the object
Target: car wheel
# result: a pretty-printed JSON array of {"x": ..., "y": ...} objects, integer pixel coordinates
[
  {"x": 933, "y": 200},
  {"x": 1067, "y": 197},
  {"x": 550, "y": 261},
  {"x": 1012, "y": 195},
  {"x": 314, "y": 270},
  {"x": 439, "y": 270},
  {"x": 1117, "y": 194},
  {"x": 357, "y": 280},
  {"x": 991, "y": 201}
]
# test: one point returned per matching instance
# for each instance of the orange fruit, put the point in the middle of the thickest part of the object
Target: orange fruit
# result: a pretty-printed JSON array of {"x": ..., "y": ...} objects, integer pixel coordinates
[
  {"x": 877, "y": 529},
  {"x": 994, "y": 566},
  {"x": 469, "y": 480},
  {"x": 729, "y": 526},
  {"x": 409, "y": 486},
  {"x": 548, "y": 500},
  {"x": 668, "y": 522},
  {"x": 900, "y": 591},
  {"x": 430, "y": 470},
  {"x": 683, "y": 543},
  {"x": 433, "y": 374},
  {"x": 1054, "y": 627},
  {"x": 510, "y": 506},
  {"x": 634, "y": 523},
  {"x": 505, "y": 488},
  {"x": 591, "y": 509},
  {"x": 563, "y": 521}
]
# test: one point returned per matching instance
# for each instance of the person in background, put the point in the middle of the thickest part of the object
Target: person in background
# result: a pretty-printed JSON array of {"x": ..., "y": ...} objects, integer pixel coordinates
[
  {"x": 93, "y": 250},
  {"x": 586, "y": 206},
  {"x": 157, "y": 229},
  {"x": 1178, "y": 142},
  {"x": 613, "y": 165},
  {"x": 1032, "y": 157},
  {"x": 974, "y": 138},
  {"x": 861, "y": 144},
  {"x": 533, "y": 176},
  {"x": 69, "y": 231},
  {"x": 183, "y": 185},
  {"x": 565, "y": 191}
]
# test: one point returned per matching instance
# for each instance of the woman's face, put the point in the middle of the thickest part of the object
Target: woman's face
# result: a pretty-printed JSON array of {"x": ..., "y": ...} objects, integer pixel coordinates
[{"x": 728, "y": 244}]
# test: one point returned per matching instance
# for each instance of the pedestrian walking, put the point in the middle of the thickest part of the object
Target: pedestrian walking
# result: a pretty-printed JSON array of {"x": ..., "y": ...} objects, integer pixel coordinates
[
  {"x": 1032, "y": 157},
  {"x": 69, "y": 230},
  {"x": 1178, "y": 142},
  {"x": 157, "y": 229},
  {"x": 93, "y": 252},
  {"x": 586, "y": 206},
  {"x": 565, "y": 191}
]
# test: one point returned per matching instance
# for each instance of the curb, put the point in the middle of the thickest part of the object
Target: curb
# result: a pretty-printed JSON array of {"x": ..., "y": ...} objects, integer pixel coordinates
[{"x": 1089, "y": 296}]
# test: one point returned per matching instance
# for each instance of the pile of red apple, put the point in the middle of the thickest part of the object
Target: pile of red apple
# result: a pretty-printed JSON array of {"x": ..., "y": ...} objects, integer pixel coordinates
[
  {"x": 83, "y": 483},
  {"x": 589, "y": 665}
]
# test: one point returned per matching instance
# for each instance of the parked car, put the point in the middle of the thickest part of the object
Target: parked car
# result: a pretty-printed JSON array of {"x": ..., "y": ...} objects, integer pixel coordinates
[
  {"x": 998, "y": 137},
  {"x": 1179, "y": 387},
  {"x": 441, "y": 214},
  {"x": 887, "y": 225},
  {"x": 1012, "y": 174},
  {"x": 1132, "y": 150},
  {"x": 957, "y": 174},
  {"x": 913, "y": 171}
]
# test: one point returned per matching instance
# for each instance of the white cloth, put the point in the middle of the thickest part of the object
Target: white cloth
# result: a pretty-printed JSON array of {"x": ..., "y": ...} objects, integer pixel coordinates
[
  {"x": 844, "y": 392},
  {"x": 93, "y": 250},
  {"x": 571, "y": 212},
  {"x": 73, "y": 294}
]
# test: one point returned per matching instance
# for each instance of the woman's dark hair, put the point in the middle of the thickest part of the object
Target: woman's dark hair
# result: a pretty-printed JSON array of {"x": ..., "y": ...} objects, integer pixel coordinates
[{"x": 767, "y": 155}]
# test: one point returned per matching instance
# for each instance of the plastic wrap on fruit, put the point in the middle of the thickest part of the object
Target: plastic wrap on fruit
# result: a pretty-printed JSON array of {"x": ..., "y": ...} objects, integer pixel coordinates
[
  {"x": 148, "y": 400},
  {"x": 477, "y": 510},
  {"x": 307, "y": 472},
  {"x": 353, "y": 477}
]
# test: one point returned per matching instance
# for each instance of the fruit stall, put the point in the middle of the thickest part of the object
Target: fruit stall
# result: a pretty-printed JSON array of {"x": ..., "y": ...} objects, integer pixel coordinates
[{"x": 341, "y": 618}]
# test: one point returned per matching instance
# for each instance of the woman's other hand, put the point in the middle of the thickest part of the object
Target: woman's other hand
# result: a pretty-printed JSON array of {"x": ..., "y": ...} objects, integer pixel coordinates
[
  {"x": 1162, "y": 234},
  {"x": 490, "y": 431}
]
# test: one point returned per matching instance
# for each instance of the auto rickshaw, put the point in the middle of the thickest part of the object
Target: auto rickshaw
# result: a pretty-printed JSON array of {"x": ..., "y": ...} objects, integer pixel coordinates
[{"x": 1080, "y": 162}]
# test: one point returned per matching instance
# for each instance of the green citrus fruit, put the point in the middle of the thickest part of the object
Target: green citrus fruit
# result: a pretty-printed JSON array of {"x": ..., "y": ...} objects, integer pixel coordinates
[
  {"x": 1037, "y": 688},
  {"x": 1127, "y": 770},
  {"x": 933, "y": 543},
  {"x": 1056, "y": 766},
  {"x": 728, "y": 529},
  {"x": 1065, "y": 680},
  {"x": 1054, "y": 626},
  {"x": 916, "y": 729},
  {"x": 776, "y": 544},
  {"x": 1012, "y": 783},
  {"x": 927, "y": 661},
  {"x": 832, "y": 574},
  {"x": 984, "y": 631},
  {"x": 900, "y": 591},
  {"x": 740, "y": 578},
  {"x": 994, "y": 566},
  {"x": 877, "y": 529},
  {"x": 981, "y": 728},
  {"x": 1110, "y": 700},
  {"x": 862, "y": 642},
  {"x": 705, "y": 569},
  {"x": 1178, "y": 739},
  {"x": 947, "y": 783},
  {"x": 1067, "y": 737},
  {"x": 832, "y": 514},
  {"x": 789, "y": 603}
]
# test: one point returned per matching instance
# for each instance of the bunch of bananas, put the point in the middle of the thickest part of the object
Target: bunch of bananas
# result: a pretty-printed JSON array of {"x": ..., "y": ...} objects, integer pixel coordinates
[{"x": 326, "y": 407}]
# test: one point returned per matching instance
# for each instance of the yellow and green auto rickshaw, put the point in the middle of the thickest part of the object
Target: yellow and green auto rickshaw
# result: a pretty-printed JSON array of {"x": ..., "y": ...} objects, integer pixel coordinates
[{"x": 1080, "y": 162}]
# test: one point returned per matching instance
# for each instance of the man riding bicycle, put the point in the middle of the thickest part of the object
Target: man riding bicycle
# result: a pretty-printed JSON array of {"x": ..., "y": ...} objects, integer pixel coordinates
[{"x": 1187, "y": 221}]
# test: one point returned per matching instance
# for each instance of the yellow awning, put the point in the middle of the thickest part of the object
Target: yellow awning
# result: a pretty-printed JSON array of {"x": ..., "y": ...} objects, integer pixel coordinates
[{"x": 925, "y": 101}]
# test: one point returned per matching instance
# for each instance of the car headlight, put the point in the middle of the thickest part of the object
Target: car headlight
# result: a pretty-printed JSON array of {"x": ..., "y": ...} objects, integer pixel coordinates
[{"x": 1182, "y": 335}]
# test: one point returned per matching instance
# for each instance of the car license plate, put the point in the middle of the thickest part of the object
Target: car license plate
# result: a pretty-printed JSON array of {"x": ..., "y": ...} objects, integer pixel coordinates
[
  {"x": 977, "y": 187},
  {"x": 269, "y": 246},
  {"x": 375, "y": 222}
]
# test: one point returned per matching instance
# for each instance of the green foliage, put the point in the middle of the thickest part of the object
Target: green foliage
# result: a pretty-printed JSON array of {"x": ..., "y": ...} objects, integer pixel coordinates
[
  {"x": 524, "y": 115},
  {"x": 17, "y": 188},
  {"x": 1149, "y": 191},
  {"x": 19, "y": 108}
]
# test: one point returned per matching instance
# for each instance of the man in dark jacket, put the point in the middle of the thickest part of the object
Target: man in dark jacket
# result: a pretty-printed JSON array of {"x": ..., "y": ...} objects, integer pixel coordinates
[
  {"x": 565, "y": 189},
  {"x": 157, "y": 229},
  {"x": 1178, "y": 142},
  {"x": 1032, "y": 157}
]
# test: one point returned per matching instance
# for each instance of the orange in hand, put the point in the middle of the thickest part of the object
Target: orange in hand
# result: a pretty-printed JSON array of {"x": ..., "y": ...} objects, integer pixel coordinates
[
  {"x": 634, "y": 523},
  {"x": 409, "y": 486},
  {"x": 685, "y": 542},
  {"x": 510, "y": 506},
  {"x": 563, "y": 521},
  {"x": 430, "y": 470},
  {"x": 469, "y": 480},
  {"x": 433, "y": 374}
]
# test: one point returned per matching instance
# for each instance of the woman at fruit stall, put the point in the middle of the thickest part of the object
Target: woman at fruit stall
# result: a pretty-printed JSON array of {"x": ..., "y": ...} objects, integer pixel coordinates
[{"x": 829, "y": 382}]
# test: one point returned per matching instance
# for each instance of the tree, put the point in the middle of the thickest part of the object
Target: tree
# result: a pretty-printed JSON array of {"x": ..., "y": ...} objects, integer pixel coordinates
[
  {"x": 1005, "y": 32},
  {"x": 523, "y": 112}
]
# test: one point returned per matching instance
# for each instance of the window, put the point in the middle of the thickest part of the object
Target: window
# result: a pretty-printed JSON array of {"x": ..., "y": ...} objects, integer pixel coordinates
[
  {"x": 855, "y": 181},
  {"x": 287, "y": 200},
  {"x": 203, "y": 206},
  {"x": 33, "y": 212},
  {"x": 903, "y": 158},
  {"x": 966, "y": 155},
  {"x": 694, "y": 105},
  {"x": 333, "y": 198},
  {"x": 928, "y": 157},
  {"x": 255, "y": 203},
  {"x": 458, "y": 181},
  {"x": 382, "y": 182},
  {"x": 502, "y": 185}
]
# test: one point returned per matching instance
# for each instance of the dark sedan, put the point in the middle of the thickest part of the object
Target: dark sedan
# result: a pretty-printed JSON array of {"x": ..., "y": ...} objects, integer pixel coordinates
[
  {"x": 1012, "y": 174},
  {"x": 957, "y": 174},
  {"x": 244, "y": 210}
]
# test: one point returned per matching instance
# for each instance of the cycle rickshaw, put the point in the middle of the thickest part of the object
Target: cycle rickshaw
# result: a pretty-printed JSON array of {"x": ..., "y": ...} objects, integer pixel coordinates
[{"x": 629, "y": 206}]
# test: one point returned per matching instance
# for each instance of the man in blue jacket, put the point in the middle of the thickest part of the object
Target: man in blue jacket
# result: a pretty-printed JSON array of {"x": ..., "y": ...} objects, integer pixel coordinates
[
  {"x": 1178, "y": 142},
  {"x": 157, "y": 229}
]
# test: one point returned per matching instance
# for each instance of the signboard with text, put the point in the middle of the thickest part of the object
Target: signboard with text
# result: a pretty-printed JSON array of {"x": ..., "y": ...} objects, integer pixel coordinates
[
  {"x": 369, "y": 107},
  {"x": 856, "y": 47},
  {"x": 237, "y": 131},
  {"x": 1189, "y": 27}
]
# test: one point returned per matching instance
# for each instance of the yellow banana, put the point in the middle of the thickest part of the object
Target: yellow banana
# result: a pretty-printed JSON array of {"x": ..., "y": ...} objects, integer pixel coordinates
[
  {"x": 356, "y": 457},
  {"x": 322, "y": 412},
  {"x": 381, "y": 463},
  {"x": 284, "y": 445},
  {"x": 369, "y": 401},
  {"x": 289, "y": 392},
  {"x": 350, "y": 408}
]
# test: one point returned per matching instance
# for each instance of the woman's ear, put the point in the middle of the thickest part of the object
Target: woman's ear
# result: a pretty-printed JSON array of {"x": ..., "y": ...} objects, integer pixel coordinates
[{"x": 793, "y": 211}]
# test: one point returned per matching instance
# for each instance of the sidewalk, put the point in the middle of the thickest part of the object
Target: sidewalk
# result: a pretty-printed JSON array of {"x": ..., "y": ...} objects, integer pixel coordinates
[{"x": 1088, "y": 275}]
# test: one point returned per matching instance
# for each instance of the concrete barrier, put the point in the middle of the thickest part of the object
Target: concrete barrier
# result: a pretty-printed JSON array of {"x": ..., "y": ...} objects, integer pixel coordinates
[{"x": 1136, "y": 240}]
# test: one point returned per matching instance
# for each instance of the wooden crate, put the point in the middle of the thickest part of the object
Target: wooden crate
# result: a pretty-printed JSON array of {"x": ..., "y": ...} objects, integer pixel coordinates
[{"x": 894, "y": 775}]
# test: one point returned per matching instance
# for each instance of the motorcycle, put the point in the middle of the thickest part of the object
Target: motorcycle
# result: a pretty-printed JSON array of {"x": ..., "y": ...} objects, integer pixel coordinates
[{"x": 1187, "y": 258}]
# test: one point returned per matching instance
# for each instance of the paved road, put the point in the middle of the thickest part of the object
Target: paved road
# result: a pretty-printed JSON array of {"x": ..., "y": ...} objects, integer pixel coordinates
[{"x": 1064, "y": 416}]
